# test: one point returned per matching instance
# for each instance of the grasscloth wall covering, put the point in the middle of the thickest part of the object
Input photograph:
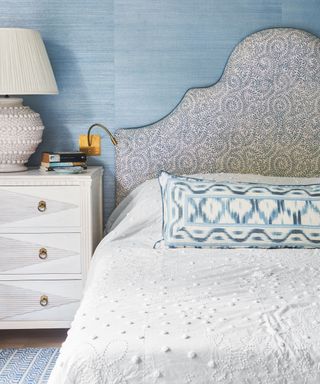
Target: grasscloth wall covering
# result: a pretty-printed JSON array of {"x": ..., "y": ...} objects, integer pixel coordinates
[{"x": 127, "y": 63}]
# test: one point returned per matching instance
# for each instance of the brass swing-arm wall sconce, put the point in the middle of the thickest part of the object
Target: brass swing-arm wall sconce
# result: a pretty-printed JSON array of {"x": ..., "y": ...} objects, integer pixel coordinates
[{"x": 91, "y": 144}]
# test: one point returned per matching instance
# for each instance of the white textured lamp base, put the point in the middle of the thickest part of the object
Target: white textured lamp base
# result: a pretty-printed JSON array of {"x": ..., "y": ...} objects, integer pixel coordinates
[
  {"x": 12, "y": 168},
  {"x": 20, "y": 134}
]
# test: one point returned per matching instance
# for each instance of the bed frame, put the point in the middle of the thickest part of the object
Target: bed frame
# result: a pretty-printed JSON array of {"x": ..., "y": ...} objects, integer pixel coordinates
[{"x": 261, "y": 117}]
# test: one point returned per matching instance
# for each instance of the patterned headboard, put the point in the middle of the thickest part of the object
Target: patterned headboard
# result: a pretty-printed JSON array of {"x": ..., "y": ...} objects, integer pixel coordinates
[{"x": 261, "y": 117}]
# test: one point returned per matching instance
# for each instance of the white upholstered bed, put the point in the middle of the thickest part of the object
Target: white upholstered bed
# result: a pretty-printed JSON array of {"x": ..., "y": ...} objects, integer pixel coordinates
[{"x": 202, "y": 316}]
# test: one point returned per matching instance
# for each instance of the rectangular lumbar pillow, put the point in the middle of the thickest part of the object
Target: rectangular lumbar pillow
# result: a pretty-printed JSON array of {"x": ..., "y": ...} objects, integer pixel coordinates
[{"x": 208, "y": 214}]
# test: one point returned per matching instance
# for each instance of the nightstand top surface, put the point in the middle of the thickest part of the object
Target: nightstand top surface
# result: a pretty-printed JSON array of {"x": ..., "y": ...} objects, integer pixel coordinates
[
  {"x": 32, "y": 171},
  {"x": 35, "y": 173}
]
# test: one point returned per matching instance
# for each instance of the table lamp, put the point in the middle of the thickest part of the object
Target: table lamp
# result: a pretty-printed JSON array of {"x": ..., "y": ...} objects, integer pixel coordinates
[{"x": 25, "y": 69}]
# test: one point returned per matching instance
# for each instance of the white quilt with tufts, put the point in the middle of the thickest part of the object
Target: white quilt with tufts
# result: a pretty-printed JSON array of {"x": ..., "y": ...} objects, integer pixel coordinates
[{"x": 192, "y": 316}]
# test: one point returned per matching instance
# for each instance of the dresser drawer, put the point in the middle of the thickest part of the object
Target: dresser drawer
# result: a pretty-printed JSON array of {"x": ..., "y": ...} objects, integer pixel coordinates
[
  {"x": 39, "y": 253},
  {"x": 39, "y": 206},
  {"x": 39, "y": 300}
]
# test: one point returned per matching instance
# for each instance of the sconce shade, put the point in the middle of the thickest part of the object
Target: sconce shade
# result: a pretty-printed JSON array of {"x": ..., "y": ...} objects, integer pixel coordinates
[{"x": 25, "y": 68}]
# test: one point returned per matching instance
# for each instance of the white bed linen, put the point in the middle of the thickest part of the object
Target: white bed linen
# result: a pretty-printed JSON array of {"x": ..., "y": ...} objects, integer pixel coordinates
[{"x": 194, "y": 316}]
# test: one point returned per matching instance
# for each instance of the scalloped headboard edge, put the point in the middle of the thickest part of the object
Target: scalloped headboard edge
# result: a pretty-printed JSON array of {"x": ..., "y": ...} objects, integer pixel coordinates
[{"x": 261, "y": 117}]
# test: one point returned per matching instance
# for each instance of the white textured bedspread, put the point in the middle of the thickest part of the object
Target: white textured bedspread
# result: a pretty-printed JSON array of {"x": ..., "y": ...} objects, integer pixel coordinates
[{"x": 191, "y": 315}]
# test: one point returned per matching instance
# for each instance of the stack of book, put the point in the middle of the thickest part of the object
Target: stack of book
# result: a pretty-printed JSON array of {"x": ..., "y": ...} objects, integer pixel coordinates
[{"x": 52, "y": 160}]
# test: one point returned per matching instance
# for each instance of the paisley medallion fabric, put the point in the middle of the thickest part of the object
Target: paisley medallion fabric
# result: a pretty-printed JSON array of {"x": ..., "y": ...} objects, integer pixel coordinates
[
  {"x": 261, "y": 117},
  {"x": 208, "y": 214}
]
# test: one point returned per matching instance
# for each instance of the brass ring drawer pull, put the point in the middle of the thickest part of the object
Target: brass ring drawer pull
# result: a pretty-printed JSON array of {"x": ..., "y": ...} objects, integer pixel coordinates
[
  {"x": 42, "y": 206},
  {"x": 44, "y": 300},
  {"x": 43, "y": 253}
]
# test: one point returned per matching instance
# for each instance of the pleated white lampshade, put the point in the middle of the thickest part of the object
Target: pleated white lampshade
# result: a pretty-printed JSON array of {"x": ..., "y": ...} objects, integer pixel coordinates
[{"x": 25, "y": 68}]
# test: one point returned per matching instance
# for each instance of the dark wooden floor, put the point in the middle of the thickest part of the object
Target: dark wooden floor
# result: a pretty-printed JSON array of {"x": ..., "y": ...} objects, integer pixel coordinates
[{"x": 32, "y": 338}]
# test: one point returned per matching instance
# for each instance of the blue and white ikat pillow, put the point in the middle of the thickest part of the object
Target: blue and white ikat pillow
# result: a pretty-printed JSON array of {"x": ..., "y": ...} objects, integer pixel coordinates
[{"x": 208, "y": 214}]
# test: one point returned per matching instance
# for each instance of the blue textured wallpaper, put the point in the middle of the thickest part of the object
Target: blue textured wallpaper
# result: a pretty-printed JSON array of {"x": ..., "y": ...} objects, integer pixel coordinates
[{"x": 127, "y": 63}]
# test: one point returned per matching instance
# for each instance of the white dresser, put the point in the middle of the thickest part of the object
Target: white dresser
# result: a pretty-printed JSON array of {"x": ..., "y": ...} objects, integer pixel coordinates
[{"x": 50, "y": 225}]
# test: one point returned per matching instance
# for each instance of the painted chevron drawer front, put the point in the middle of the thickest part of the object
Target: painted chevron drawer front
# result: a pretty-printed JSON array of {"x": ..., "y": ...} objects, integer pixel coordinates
[
  {"x": 40, "y": 253},
  {"x": 20, "y": 300},
  {"x": 50, "y": 225},
  {"x": 21, "y": 206}
]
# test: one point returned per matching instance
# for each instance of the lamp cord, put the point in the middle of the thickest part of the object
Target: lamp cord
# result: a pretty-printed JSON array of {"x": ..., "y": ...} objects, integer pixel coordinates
[{"x": 112, "y": 138}]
